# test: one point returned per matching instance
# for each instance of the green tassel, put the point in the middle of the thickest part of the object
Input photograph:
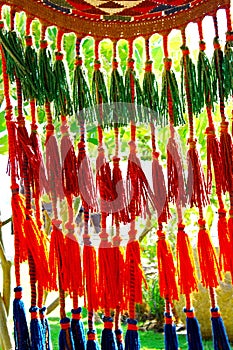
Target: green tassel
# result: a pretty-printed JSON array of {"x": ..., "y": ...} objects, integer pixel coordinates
[
  {"x": 192, "y": 82},
  {"x": 169, "y": 82},
  {"x": 117, "y": 96},
  {"x": 205, "y": 79},
  {"x": 47, "y": 80},
  {"x": 217, "y": 67},
  {"x": 136, "y": 96},
  {"x": 31, "y": 61},
  {"x": 62, "y": 100},
  {"x": 150, "y": 94},
  {"x": 83, "y": 106},
  {"x": 100, "y": 97},
  {"x": 228, "y": 70}
]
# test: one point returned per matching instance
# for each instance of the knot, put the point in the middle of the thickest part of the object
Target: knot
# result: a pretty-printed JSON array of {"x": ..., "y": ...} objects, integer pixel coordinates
[
  {"x": 91, "y": 335},
  {"x": 76, "y": 313},
  {"x": 64, "y": 129},
  {"x": 81, "y": 146},
  {"x": 42, "y": 310},
  {"x": 155, "y": 154},
  {"x": 185, "y": 50},
  {"x": 229, "y": 36},
  {"x": 181, "y": 226},
  {"x": 114, "y": 64},
  {"x": 97, "y": 65},
  {"x": 69, "y": 226},
  {"x": 33, "y": 310},
  {"x": 189, "y": 313},
  {"x": 192, "y": 143},
  {"x": 202, "y": 45},
  {"x": 116, "y": 161},
  {"x": 34, "y": 127},
  {"x": 132, "y": 146},
  {"x": 8, "y": 111},
  {"x": 132, "y": 234},
  {"x": 222, "y": 213},
  {"x": 161, "y": 235},
  {"x": 18, "y": 292},
  {"x": 101, "y": 150},
  {"x": 43, "y": 44},
  {"x": 78, "y": 61},
  {"x": 50, "y": 128},
  {"x": 65, "y": 323},
  {"x": 224, "y": 127},
  {"x": 56, "y": 222},
  {"x": 168, "y": 318},
  {"x": 148, "y": 66},
  {"x": 132, "y": 324},
  {"x": 28, "y": 39},
  {"x": 59, "y": 56},
  {"x": 167, "y": 63},
  {"x": 119, "y": 335},
  {"x": 1, "y": 24},
  {"x": 215, "y": 313},
  {"x": 210, "y": 131},
  {"x": 116, "y": 241},
  {"x": 130, "y": 63},
  {"x": 108, "y": 322},
  {"x": 15, "y": 189},
  {"x": 217, "y": 46},
  {"x": 201, "y": 224}
]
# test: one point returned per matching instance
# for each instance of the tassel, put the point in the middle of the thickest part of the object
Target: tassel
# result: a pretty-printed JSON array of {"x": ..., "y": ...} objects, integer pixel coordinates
[
  {"x": 117, "y": 271},
  {"x": 208, "y": 261},
  {"x": 37, "y": 336},
  {"x": 197, "y": 191},
  {"x": 21, "y": 334},
  {"x": 46, "y": 329},
  {"x": 78, "y": 329},
  {"x": 193, "y": 331},
  {"x": 220, "y": 338},
  {"x": 73, "y": 261},
  {"x": 175, "y": 176},
  {"x": 166, "y": 268},
  {"x": 225, "y": 246},
  {"x": 159, "y": 188},
  {"x": 132, "y": 341},
  {"x": 90, "y": 276},
  {"x": 62, "y": 100},
  {"x": 47, "y": 78},
  {"x": 66, "y": 341},
  {"x": 86, "y": 179},
  {"x": 119, "y": 339},
  {"x": 117, "y": 96},
  {"x": 57, "y": 262},
  {"x": 226, "y": 156},
  {"x": 228, "y": 70},
  {"x": 150, "y": 92},
  {"x": 170, "y": 336},
  {"x": 138, "y": 188},
  {"x": 170, "y": 101},
  {"x": 83, "y": 106},
  {"x": 108, "y": 339},
  {"x": 92, "y": 343},
  {"x": 133, "y": 272},
  {"x": 69, "y": 162},
  {"x": 218, "y": 77},
  {"x": 185, "y": 263},
  {"x": 230, "y": 224}
]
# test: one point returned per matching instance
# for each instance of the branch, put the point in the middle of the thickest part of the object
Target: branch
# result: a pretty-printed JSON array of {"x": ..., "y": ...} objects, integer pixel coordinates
[
  {"x": 144, "y": 233},
  {"x": 3, "y": 223},
  {"x": 6, "y": 268},
  {"x": 4, "y": 332}
]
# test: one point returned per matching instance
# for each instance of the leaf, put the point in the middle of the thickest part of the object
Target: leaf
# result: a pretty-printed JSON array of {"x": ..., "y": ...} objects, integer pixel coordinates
[
  {"x": 209, "y": 216},
  {"x": 92, "y": 140},
  {"x": 4, "y": 144}
]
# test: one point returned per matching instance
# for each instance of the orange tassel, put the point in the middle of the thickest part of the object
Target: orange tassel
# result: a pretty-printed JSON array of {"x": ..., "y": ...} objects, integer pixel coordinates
[
  {"x": 208, "y": 261},
  {"x": 134, "y": 274},
  {"x": 90, "y": 277},
  {"x": 36, "y": 242},
  {"x": 57, "y": 264},
  {"x": 166, "y": 268},
  {"x": 225, "y": 246},
  {"x": 187, "y": 278},
  {"x": 107, "y": 293},
  {"x": 73, "y": 263},
  {"x": 117, "y": 268}
]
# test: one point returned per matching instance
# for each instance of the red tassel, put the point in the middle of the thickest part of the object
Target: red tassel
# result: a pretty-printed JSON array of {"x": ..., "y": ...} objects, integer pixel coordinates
[
  {"x": 197, "y": 190},
  {"x": 134, "y": 274},
  {"x": 85, "y": 179},
  {"x": 139, "y": 191},
  {"x": 73, "y": 262},
  {"x": 36, "y": 242},
  {"x": 90, "y": 277},
  {"x": 117, "y": 272},
  {"x": 230, "y": 224},
  {"x": 225, "y": 245},
  {"x": 107, "y": 293},
  {"x": 120, "y": 212},
  {"x": 53, "y": 165},
  {"x": 160, "y": 191},
  {"x": 176, "y": 185},
  {"x": 208, "y": 261},
  {"x": 227, "y": 158},
  {"x": 213, "y": 152},
  {"x": 57, "y": 263},
  {"x": 69, "y": 164},
  {"x": 166, "y": 269},
  {"x": 185, "y": 263}
]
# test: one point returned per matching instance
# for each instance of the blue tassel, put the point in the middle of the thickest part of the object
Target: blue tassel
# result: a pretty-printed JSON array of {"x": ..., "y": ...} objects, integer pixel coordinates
[
  {"x": 66, "y": 341},
  {"x": 78, "y": 329},
  {"x": 193, "y": 331},
  {"x": 108, "y": 339},
  {"x": 36, "y": 330},
  {"x": 132, "y": 341},
  {"x": 171, "y": 341},
  {"x": 119, "y": 341},
  {"x": 92, "y": 343},
  {"x": 21, "y": 334},
  {"x": 46, "y": 329},
  {"x": 220, "y": 338}
]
